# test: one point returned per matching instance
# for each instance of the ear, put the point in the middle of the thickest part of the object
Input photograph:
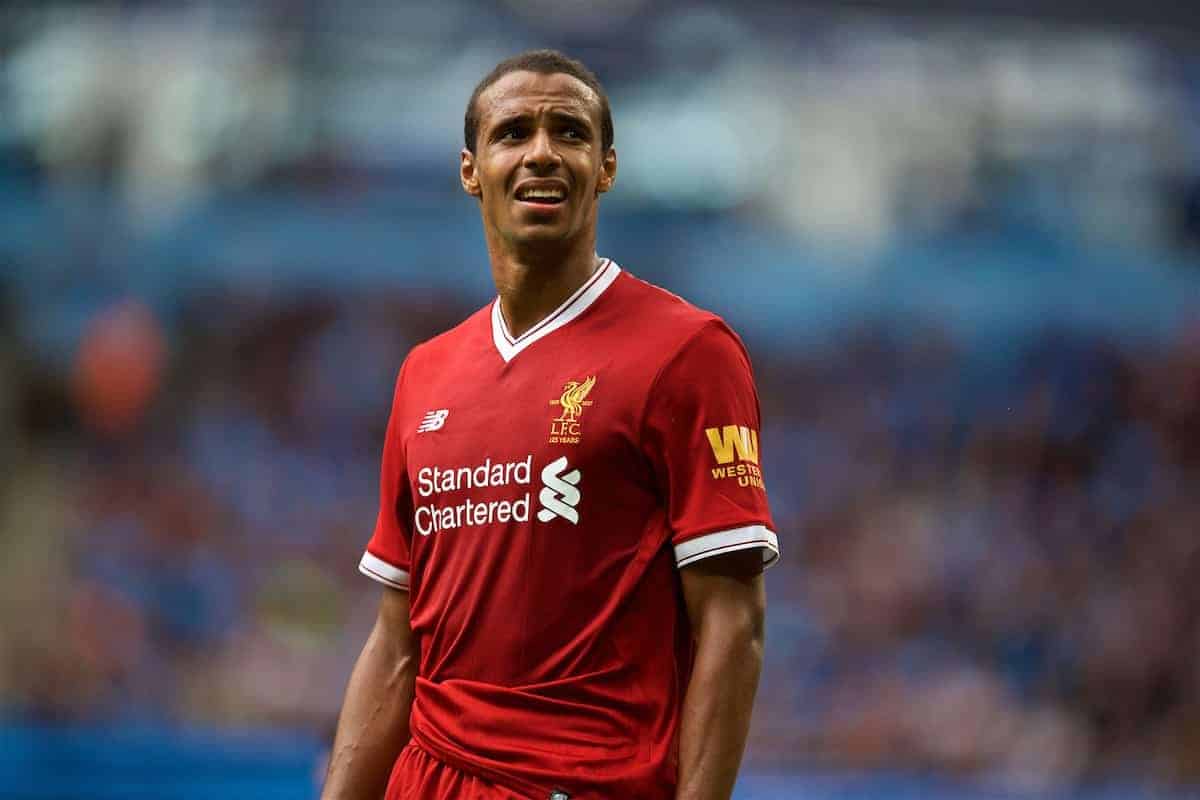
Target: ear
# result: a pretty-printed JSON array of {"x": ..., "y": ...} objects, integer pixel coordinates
[
  {"x": 466, "y": 173},
  {"x": 608, "y": 171}
]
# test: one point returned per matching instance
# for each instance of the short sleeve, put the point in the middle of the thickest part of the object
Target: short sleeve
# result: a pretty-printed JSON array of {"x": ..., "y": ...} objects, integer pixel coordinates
[
  {"x": 701, "y": 432},
  {"x": 387, "y": 557}
]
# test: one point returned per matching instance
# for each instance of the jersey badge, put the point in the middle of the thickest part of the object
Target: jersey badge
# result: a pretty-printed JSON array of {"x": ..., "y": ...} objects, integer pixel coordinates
[{"x": 566, "y": 428}]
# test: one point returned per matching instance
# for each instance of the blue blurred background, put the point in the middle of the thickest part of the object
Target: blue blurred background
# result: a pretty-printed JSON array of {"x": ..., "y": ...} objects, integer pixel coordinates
[{"x": 964, "y": 251}]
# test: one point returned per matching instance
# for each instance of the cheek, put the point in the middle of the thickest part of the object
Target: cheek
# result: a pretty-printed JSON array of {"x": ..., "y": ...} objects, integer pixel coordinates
[
  {"x": 589, "y": 175},
  {"x": 493, "y": 175}
]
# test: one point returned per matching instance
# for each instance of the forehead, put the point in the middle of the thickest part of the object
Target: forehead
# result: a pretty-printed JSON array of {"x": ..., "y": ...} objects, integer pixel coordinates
[{"x": 531, "y": 92}]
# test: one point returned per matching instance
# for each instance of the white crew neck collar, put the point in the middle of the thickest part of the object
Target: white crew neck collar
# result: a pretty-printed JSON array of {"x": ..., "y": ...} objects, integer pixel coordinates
[{"x": 572, "y": 307}]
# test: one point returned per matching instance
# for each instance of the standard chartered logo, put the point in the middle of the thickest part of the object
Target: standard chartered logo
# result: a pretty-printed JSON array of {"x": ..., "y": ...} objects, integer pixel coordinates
[
  {"x": 496, "y": 492},
  {"x": 560, "y": 494}
]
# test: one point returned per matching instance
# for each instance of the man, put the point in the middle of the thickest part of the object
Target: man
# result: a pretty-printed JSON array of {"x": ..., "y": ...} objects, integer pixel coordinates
[{"x": 573, "y": 524}]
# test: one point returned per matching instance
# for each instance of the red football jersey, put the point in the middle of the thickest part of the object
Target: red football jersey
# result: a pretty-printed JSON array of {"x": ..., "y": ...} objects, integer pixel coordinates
[{"x": 538, "y": 494}]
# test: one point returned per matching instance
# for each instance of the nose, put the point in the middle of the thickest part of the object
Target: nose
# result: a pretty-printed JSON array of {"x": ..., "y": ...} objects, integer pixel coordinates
[{"x": 541, "y": 155}]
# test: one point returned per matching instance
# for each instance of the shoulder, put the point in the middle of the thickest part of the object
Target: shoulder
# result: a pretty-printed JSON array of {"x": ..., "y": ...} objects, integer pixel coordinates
[
  {"x": 434, "y": 352},
  {"x": 639, "y": 297},
  {"x": 663, "y": 314},
  {"x": 672, "y": 327}
]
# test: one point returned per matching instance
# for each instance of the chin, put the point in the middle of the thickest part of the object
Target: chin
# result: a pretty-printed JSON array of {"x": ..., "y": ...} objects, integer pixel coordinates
[{"x": 542, "y": 234}]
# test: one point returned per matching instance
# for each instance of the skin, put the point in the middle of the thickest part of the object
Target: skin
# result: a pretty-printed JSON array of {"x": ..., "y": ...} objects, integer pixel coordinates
[
  {"x": 373, "y": 726},
  {"x": 547, "y": 128},
  {"x": 726, "y": 605}
]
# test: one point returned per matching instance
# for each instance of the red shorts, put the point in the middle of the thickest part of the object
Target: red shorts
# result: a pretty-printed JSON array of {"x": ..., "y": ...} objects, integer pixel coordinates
[{"x": 419, "y": 776}]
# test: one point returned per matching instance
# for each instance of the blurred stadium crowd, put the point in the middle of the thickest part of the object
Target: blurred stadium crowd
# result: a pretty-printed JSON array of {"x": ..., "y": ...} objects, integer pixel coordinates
[
  {"x": 989, "y": 567},
  {"x": 964, "y": 265}
]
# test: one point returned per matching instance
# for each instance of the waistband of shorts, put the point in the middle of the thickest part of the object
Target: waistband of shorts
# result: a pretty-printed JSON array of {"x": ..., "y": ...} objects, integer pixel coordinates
[{"x": 423, "y": 743}]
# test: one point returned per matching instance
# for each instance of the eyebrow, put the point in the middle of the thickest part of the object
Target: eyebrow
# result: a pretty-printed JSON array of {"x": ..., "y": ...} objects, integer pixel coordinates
[
  {"x": 556, "y": 115},
  {"x": 569, "y": 116}
]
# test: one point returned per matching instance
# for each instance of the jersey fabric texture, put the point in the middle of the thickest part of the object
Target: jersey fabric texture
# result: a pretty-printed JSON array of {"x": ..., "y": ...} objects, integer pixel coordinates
[
  {"x": 538, "y": 495},
  {"x": 419, "y": 776}
]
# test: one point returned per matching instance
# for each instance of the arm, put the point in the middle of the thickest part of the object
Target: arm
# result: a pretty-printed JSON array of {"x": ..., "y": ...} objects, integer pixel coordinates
[
  {"x": 373, "y": 726},
  {"x": 726, "y": 603}
]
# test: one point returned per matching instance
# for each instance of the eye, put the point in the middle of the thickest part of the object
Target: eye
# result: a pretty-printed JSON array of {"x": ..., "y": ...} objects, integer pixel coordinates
[{"x": 511, "y": 132}]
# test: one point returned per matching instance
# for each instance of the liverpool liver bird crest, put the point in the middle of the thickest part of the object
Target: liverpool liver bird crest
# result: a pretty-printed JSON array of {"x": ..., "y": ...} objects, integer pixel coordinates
[{"x": 574, "y": 398}]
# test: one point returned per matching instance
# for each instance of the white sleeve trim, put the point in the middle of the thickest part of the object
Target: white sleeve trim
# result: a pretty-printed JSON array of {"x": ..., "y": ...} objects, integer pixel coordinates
[
  {"x": 378, "y": 569},
  {"x": 720, "y": 542}
]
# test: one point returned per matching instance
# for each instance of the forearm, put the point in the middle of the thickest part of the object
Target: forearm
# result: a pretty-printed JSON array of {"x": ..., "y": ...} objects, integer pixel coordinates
[
  {"x": 716, "y": 714},
  {"x": 373, "y": 726}
]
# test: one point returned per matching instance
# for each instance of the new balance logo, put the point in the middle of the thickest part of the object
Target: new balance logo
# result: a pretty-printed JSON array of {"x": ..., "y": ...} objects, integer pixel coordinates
[
  {"x": 559, "y": 495},
  {"x": 433, "y": 420}
]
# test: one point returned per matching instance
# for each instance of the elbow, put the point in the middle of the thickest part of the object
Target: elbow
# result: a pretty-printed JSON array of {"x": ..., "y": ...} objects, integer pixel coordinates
[
  {"x": 753, "y": 626},
  {"x": 740, "y": 628},
  {"x": 756, "y": 630},
  {"x": 403, "y": 672},
  {"x": 392, "y": 660},
  {"x": 738, "y": 642}
]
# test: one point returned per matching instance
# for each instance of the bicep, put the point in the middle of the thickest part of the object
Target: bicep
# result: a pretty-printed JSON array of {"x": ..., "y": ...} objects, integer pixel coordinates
[
  {"x": 726, "y": 595},
  {"x": 393, "y": 628}
]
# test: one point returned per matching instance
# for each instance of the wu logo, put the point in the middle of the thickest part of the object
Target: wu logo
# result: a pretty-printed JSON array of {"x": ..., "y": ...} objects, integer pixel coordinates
[
  {"x": 433, "y": 420},
  {"x": 731, "y": 439},
  {"x": 736, "y": 442},
  {"x": 559, "y": 494}
]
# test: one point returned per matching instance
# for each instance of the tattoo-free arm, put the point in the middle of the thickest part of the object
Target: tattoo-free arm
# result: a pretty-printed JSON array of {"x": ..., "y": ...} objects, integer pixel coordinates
[
  {"x": 726, "y": 603},
  {"x": 373, "y": 726}
]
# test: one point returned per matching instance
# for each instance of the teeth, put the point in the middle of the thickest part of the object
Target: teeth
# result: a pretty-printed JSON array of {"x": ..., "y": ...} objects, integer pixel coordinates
[{"x": 541, "y": 194}]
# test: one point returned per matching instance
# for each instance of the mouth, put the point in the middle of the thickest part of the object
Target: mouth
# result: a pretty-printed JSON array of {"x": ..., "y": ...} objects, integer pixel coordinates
[{"x": 542, "y": 196}]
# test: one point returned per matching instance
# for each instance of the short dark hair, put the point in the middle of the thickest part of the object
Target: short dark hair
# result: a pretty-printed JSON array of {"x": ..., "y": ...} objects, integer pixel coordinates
[{"x": 544, "y": 62}]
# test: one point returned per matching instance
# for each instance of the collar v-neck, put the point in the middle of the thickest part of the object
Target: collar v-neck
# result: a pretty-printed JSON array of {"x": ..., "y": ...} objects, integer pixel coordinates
[{"x": 572, "y": 307}]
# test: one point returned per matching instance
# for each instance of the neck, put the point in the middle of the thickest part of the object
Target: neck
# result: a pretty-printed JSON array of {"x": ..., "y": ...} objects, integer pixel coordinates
[{"x": 532, "y": 282}]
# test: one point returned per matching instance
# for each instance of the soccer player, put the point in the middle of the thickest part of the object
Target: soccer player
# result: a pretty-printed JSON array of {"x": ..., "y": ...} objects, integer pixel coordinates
[{"x": 573, "y": 522}]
